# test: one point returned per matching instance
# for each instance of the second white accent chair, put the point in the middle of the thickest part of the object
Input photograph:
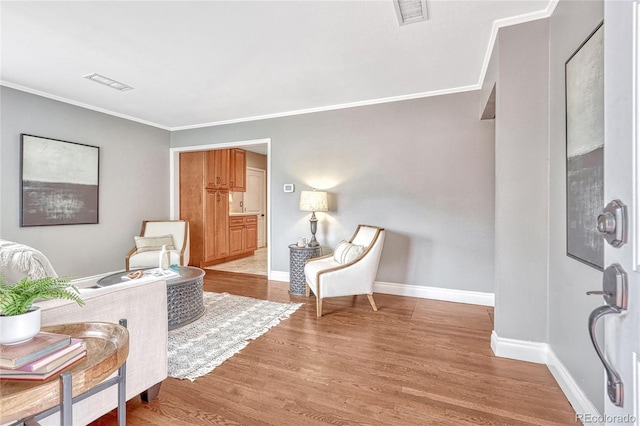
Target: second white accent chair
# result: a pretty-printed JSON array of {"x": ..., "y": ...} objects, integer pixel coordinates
[
  {"x": 147, "y": 250},
  {"x": 351, "y": 270}
]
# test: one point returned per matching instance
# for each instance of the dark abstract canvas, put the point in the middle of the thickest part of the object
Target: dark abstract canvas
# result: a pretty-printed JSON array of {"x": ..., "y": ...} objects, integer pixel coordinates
[
  {"x": 59, "y": 182},
  {"x": 585, "y": 149}
]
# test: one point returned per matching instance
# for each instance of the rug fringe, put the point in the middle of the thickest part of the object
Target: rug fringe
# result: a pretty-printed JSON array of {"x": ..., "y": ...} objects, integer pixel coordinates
[{"x": 228, "y": 325}]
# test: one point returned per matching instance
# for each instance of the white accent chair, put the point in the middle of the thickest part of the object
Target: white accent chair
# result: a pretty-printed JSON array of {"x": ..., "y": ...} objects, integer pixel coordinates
[
  {"x": 325, "y": 277},
  {"x": 179, "y": 229}
]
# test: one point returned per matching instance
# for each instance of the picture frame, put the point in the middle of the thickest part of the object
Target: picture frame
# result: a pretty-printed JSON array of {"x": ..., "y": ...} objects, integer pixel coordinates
[
  {"x": 584, "y": 90},
  {"x": 59, "y": 182}
]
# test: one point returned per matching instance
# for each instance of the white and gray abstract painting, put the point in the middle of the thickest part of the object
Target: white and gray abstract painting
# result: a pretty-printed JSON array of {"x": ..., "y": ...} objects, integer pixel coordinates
[
  {"x": 59, "y": 182},
  {"x": 585, "y": 150}
]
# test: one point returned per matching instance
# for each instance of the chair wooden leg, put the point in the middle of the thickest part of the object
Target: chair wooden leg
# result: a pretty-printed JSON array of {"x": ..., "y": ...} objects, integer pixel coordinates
[
  {"x": 318, "y": 306},
  {"x": 373, "y": 302},
  {"x": 307, "y": 289}
]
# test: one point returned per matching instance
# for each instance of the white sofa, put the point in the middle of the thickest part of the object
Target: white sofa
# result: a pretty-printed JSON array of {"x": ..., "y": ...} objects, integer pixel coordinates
[
  {"x": 18, "y": 261},
  {"x": 143, "y": 303}
]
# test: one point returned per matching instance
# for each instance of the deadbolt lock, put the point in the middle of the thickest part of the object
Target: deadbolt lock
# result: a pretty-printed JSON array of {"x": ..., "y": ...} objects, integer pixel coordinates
[{"x": 612, "y": 223}]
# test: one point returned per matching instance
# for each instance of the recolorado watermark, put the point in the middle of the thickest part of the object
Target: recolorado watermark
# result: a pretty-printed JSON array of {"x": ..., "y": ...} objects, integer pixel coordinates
[{"x": 587, "y": 418}]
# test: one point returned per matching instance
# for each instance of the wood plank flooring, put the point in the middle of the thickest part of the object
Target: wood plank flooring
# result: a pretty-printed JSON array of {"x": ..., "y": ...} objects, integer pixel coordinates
[{"x": 414, "y": 362}]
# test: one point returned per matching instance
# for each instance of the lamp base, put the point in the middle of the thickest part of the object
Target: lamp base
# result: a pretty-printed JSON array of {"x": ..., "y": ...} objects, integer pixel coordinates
[{"x": 314, "y": 226}]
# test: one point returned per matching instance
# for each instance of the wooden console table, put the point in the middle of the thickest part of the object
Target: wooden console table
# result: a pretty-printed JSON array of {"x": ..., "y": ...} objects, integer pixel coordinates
[{"x": 107, "y": 351}]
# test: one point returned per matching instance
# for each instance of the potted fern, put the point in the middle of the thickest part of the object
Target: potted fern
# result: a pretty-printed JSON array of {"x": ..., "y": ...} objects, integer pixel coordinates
[{"x": 19, "y": 320}]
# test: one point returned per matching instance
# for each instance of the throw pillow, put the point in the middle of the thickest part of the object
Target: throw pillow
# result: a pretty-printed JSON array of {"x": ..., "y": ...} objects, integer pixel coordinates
[
  {"x": 154, "y": 243},
  {"x": 346, "y": 252}
]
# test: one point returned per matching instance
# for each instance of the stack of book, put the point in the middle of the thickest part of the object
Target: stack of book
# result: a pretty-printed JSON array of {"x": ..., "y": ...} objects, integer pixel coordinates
[{"x": 41, "y": 357}]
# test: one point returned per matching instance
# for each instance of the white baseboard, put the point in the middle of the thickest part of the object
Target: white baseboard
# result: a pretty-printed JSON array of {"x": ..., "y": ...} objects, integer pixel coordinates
[
  {"x": 542, "y": 353},
  {"x": 447, "y": 294},
  {"x": 279, "y": 276},
  {"x": 578, "y": 400},
  {"x": 437, "y": 293},
  {"x": 519, "y": 349}
]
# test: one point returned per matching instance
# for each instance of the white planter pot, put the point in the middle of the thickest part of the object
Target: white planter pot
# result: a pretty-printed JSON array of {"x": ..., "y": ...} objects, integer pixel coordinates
[{"x": 19, "y": 328}]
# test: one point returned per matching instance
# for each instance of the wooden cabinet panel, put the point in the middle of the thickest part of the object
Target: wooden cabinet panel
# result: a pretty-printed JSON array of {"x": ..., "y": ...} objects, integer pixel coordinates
[
  {"x": 192, "y": 203},
  {"x": 236, "y": 220},
  {"x": 251, "y": 236},
  {"x": 251, "y": 232},
  {"x": 217, "y": 169},
  {"x": 209, "y": 226},
  {"x": 238, "y": 170},
  {"x": 236, "y": 240},
  {"x": 222, "y": 224},
  {"x": 222, "y": 164},
  {"x": 216, "y": 222}
]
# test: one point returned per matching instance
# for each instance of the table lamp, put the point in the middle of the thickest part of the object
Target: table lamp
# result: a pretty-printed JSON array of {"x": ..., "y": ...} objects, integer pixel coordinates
[{"x": 313, "y": 201}]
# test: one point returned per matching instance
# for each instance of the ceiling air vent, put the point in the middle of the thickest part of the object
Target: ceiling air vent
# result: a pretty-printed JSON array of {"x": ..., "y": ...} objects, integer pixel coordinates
[
  {"x": 410, "y": 11},
  {"x": 108, "y": 82}
]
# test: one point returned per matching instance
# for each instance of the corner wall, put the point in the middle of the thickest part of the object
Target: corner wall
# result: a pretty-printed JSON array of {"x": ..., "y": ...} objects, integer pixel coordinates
[
  {"x": 569, "y": 279},
  {"x": 522, "y": 150},
  {"x": 540, "y": 292},
  {"x": 134, "y": 178}
]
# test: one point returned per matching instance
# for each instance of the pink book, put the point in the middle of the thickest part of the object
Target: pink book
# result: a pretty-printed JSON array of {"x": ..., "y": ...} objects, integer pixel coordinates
[{"x": 51, "y": 361}]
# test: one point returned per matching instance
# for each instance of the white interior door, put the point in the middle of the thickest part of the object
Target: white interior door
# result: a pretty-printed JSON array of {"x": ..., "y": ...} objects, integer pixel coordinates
[
  {"x": 255, "y": 200},
  {"x": 621, "y": 178}
]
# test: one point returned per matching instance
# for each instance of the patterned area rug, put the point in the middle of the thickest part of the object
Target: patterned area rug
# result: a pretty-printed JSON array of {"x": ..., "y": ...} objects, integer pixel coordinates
[{"x": 226, "y": 327}]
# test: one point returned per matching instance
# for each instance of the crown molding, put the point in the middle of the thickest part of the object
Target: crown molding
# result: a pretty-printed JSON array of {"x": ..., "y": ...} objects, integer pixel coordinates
[
  {"x": 507, "y": 22},
  {"x": 80, "y": 104},
  {"x": 333, "y": 107}
]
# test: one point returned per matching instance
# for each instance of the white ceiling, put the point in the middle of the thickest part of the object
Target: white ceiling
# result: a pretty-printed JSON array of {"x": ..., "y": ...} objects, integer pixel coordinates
[{"x": 211, "y": 62}]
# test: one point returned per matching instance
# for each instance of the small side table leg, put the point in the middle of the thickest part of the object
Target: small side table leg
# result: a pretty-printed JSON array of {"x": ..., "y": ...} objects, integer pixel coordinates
[
  {"x": 66, "y": 406},
  {"x": 122, "y": 395},
  {"x": 122, "y": 388}
]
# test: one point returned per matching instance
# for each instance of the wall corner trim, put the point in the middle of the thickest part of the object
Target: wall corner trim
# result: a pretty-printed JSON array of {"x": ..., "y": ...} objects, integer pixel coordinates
[
  {"x": 519, "y": 349},
  {"x": 541, "y": 353},
  {"x": 437, "y": 293},
  {"x": 279, "y": 276}
]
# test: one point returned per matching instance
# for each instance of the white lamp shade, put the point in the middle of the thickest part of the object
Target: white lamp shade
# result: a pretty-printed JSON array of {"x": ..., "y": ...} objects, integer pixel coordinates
[{"x": 313, "y": 201}]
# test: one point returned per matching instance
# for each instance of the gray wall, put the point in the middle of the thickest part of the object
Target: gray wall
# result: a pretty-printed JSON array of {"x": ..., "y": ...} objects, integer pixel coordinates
[
  {"x": 522, "y": 127},
  {"x": 134, "y": 178},
  {"x": 422, "y": 169},
  {"x": 569, "y": 279},
  {"x": 540, "y": 292}
]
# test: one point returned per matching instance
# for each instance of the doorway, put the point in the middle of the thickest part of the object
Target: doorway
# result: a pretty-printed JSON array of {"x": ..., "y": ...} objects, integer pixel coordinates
[{"x": 260, "y": 263}]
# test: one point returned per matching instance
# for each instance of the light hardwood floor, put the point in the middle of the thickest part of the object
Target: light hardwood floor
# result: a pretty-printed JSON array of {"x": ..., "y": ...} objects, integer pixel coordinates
[{"x": 414, "y": 362}]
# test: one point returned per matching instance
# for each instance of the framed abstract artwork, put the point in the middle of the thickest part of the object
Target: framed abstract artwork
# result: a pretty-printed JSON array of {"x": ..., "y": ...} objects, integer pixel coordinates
[
  {"x": 59, "y": 182},
  {"x": 584, "y": 78}
]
